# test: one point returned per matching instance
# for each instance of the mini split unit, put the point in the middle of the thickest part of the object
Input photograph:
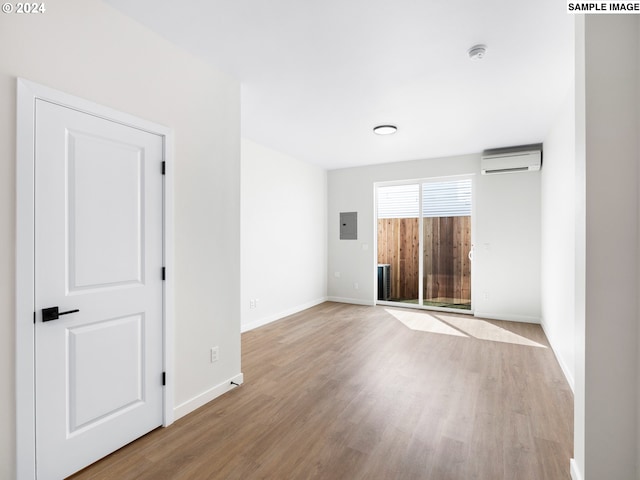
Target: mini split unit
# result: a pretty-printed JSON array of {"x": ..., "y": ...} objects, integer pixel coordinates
[{"x": 525, "y": 158}]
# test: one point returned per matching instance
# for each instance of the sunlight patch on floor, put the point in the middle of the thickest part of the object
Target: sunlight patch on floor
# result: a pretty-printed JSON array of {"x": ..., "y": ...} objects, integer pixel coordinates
[
  {"x": 460, "y": 327},
  {"x": 424, "y": 323}
]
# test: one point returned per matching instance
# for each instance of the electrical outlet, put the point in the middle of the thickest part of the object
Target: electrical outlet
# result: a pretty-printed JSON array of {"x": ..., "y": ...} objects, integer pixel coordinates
[
  {"x": 215, "y": 354},
  {"x": 356, "y": 286},
  {"x": 252, "y": 303}
]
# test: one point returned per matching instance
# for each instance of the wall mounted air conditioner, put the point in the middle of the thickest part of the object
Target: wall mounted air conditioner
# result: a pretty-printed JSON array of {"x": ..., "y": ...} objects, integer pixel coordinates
[{"x": 509, "y": 160}]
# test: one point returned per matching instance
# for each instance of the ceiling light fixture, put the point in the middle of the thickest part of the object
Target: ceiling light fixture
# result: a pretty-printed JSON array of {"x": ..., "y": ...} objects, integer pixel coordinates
[
  {"x": 477, "y": 52},
  {"x": 385, "y": 129}
]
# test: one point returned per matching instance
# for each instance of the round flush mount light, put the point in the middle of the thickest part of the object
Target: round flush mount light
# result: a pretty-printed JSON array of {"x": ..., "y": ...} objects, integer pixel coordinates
[
  {"x": 385, "y": 129},
  {"x": 477, "y": 52}
]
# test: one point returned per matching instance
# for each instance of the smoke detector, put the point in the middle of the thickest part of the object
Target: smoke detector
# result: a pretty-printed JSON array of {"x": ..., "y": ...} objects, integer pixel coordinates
[{"x": 477, "y": 52}]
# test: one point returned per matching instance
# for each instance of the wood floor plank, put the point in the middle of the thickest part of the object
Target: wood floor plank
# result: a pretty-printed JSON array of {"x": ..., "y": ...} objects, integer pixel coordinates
[{"x": 350, "y": 392}]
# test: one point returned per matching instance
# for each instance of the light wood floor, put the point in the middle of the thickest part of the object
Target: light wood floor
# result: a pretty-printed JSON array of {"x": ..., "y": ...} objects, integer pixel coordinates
[{"x": 350, "y": 392}]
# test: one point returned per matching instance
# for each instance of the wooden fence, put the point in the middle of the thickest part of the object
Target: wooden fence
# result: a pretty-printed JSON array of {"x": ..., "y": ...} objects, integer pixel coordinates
[{"x": 447, "y": 269}]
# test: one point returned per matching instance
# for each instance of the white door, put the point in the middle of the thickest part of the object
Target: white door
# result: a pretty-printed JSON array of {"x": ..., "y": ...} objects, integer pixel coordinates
[{"x": 98, "y": 256}]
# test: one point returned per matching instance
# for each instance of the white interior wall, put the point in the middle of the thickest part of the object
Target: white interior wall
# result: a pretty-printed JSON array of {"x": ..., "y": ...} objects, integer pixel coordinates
[
  {"x": 577, "y": 463},
  {"x": 284, "y": 235},
  {"x": 558, "y": 237},
  {"x": 607, "y": 123},
  {"x": 87, "y": 49},
  {"x": 506, "y": 267}
]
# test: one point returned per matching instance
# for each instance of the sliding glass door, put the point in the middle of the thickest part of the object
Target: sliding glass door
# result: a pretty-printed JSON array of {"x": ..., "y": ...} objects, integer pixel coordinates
[
  {"x": 446, "y": 252},
  {"x": 424, "y": 243},
  {"x": 399, "y": 243}
]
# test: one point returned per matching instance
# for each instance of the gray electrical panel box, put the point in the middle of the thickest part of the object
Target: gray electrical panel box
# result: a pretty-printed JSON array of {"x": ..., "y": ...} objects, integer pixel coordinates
[{"x": 348, "y": 225}]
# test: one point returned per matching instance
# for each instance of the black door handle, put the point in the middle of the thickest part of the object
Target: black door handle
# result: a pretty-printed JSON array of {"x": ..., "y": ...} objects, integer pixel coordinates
[{"x": 52, "y": 313}]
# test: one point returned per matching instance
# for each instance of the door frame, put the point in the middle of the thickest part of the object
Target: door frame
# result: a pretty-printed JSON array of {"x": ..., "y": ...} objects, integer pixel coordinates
[
  {"x": 27, "y": 94},
  {"x": 420, "y": 181}
]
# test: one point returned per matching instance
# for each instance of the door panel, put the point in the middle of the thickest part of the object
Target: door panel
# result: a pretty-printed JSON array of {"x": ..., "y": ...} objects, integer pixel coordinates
[
  {"x": 399, "y": 239},
  {"x": 105, "y": 191},
  {"x": 99, "y": 391},
  {"x": 446, "y": 265},
  {"x": 98, "y": 250}
]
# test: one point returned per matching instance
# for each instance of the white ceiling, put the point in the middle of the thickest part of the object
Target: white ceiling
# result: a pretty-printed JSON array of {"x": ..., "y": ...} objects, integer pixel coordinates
[{"x": 318, "y": 76}]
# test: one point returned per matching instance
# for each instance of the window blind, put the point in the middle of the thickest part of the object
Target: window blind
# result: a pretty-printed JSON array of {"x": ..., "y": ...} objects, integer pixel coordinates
[
  {"x": 399, "y": 201},
  {"x": 446, "y": 199},
  {"x": 451, "y": 198}
]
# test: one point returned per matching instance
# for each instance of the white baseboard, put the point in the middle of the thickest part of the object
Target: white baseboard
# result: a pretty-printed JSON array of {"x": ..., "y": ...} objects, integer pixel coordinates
[
  {"x": 561, "y": 362},
  {"x": 272, "y": 318},
  {"x": 354, "y": 301},
  {"x": 508, "y": 318},
  {"x": 575, "y": 471},
  {"x": 205, "y": 397}
]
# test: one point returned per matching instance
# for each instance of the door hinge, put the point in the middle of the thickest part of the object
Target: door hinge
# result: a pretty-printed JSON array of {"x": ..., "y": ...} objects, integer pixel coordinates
[
  {"x": 164, "y": 167},
  {"x": 164, "y": 378},
  {"x": 164, "y": 273}
]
